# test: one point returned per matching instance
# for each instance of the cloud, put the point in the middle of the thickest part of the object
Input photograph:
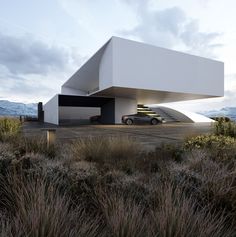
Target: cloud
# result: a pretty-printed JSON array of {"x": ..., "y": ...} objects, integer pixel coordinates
[
  {"x": 230, "y": 97},
  {"x": 198, "y": 42},
  {"x": 98, "y": 21},
  {"x": 171, "y": 28},
  {"x": 25, "y": 88},
  {"x": 144, "y": 21},
  {"x": 31, "y": 70},
  {"x": 26, "y": 55}
]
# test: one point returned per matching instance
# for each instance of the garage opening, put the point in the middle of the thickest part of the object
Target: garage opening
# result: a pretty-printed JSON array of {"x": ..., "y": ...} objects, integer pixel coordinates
[{"x": 78, "y": 110}]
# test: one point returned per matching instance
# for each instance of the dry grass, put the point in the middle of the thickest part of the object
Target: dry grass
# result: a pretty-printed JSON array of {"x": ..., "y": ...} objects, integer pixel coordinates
[
  {"x": 36, "y": 207},
  {"x": 9, "y": 128},
  {"x": 22, "y": 145},
  {"x": 217, "y": 181},
  {"x": 109, "y": 187},
  {"x": 176, "y": 215},
  {"x": 123, "y": 217},
  {"x": 122, "y": 152}
]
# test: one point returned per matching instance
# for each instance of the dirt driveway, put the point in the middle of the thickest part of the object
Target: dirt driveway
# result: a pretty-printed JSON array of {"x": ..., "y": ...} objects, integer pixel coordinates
[{"x": 149, "y": 136}]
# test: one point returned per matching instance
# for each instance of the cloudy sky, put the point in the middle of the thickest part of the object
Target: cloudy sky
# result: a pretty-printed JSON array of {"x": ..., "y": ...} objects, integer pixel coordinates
[{"x": 42, "y": 43}]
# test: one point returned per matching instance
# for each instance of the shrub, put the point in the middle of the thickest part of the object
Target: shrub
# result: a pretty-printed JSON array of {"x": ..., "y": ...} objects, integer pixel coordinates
[
  {"x": 159, "y": 160},
  {"x": 219, "y": 148},
  {"x": 224, "y": 127},
  {"x": 209, "y": 141},
  {"x": 119, "y": 152},
  {"x": 9, "y": 127}
]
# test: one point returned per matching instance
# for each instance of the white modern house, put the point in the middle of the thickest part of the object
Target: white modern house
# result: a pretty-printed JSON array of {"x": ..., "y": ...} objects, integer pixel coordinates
[{"x": 123, "y": 74}]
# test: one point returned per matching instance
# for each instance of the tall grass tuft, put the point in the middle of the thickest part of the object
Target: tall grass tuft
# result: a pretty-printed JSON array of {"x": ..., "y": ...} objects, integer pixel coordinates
[
  {"x": 35, "y": 145},
  {"x": 175, "y": 215},
  {"x": 215, "y": 182},
  {"x": 9, "y": 127},
  {"x": 123, "y": 217},
  {"x": 36, "y": 207},
  {"x": 121, "y": 152}
]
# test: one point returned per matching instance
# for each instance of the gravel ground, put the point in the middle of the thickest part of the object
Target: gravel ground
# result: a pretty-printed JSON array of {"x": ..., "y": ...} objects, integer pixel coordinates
[{"x": 148, "y": 135}]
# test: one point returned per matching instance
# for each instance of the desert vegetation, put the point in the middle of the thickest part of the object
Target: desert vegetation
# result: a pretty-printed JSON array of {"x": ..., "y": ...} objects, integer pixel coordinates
[
  {"x": 9, "y": 128},
  {"x": 109, "y": 186}
]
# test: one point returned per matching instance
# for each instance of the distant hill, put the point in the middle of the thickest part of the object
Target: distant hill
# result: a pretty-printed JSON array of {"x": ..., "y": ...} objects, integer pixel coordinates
[
  {"x": 227, "y": 112},
  {"x": 8, "y": 108}
]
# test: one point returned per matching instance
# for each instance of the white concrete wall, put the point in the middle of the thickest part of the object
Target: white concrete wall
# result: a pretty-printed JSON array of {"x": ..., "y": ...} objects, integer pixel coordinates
[
  {"x": 106, "y": 68},
  {"x": 76, "y": 113},
  {"x": 137, "y": 65},
  {"x": 51, "y": 111},
  {"x": 87, "y": 77},
  {"x": 71, "y": 91},
  {"x": 122, "y": 63},
  {"x": 124, "y": 106}
]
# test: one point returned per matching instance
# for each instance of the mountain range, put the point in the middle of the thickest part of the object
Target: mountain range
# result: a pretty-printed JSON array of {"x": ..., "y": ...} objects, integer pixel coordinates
[
  {"x": 224, "y": 112},
  {"x": 8, "y": 108}
]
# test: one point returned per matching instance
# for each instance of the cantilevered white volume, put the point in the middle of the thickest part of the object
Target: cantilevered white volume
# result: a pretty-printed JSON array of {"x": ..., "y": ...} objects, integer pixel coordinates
[{"x": 136, "y": 73}]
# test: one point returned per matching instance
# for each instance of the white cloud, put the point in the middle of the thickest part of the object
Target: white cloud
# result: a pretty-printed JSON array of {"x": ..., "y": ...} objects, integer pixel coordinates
[
  {"x": 31, "y": 70},
  {"x": 145, "y": 21},
  {"x": 26, "y": 55},
  {"x": 172, "y": 28},
  {"x": 99, "y": 20}
]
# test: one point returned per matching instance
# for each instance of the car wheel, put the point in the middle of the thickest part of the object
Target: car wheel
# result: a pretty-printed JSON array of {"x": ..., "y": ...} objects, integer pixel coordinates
[
  {"x": 154, "y": 122},
  {"x": 129, "y": 121}
]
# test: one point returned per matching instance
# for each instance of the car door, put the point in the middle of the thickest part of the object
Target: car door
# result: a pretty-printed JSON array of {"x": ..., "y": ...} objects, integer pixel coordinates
[
  {"x": 141, "y": 118},
  {"x": 146, "y": 119},
  {"x": 136, "y": 118}
]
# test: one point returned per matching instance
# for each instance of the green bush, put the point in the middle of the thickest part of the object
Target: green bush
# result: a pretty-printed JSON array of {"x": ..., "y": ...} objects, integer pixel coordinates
[
  {"x": 9, "y": 127},
  {"x": 220, "y": 148},
  {"x": 209, "y": 141},
  {"x": 224, "y": 127}
]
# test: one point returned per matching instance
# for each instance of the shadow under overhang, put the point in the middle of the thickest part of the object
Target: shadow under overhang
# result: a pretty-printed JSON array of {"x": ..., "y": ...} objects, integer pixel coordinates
[{"x": 144, "y": 96}]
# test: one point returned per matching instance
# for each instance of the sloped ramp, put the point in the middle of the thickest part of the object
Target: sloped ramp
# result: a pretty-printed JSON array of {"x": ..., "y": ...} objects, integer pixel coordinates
[{"x": 174, "y": 115}]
